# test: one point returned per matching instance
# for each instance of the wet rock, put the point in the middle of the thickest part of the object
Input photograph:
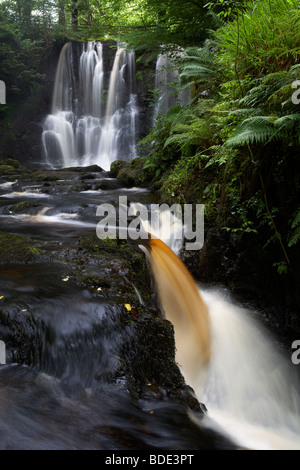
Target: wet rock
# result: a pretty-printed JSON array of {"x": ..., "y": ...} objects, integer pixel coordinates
[
  {"x": 7, "y": 170},
  {"x": 10, "y": 162},
  {"x": 126, "y": 177},
  {"x": 15, "y": 249},
  {"x": 26, "y": 207},
  {"x": 108, "y": 185},
  {"x": 115, "y": 167}
]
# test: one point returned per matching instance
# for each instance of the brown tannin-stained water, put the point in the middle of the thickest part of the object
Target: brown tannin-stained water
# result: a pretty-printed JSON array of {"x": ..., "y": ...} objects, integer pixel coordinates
[{"x": 184, "y": 307}]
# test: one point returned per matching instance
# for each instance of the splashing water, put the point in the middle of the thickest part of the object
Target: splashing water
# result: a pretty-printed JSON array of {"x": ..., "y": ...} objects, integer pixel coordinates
[
  {"x": 228, "y": 357},
  {"x": 251, "y": 386}
]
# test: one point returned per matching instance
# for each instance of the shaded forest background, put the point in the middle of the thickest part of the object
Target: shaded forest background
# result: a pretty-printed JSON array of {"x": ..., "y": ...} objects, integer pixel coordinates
[{"x": 235, "y": 148}]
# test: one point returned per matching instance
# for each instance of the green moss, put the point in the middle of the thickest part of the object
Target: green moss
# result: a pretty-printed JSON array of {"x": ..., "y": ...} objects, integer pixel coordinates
[
  {"x": 140, "y": 175},
  {"x": 46, "y": 177},
  {"x": 7, "y": 170},
  {"x": 16, "y": 249},
  {"x": 11, "y": 162},
  {"x": 93, "y": 281},
  {"x": 129, "y": 256},
  {"x": 126, "y": 177},
  {"x": 26, "y": 207},
  {"x": 116, "y": 166},
  {"x": 95, "y": 246}
]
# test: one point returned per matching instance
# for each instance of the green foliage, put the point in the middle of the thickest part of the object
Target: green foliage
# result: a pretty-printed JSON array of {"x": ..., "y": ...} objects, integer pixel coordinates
[
  {"x": 262, "y": 40},
  {"x": 235, "y": 146},
  {"x": 295, "y": 230},
  {"x": 226, "y": 8},
  {"x": 200, "y": 68},
  {"x": 265, "y": 129}
]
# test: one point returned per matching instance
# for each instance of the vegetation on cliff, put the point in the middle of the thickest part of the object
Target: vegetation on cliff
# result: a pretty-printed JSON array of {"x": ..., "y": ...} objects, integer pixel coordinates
[{"x": 236, "y": 147}]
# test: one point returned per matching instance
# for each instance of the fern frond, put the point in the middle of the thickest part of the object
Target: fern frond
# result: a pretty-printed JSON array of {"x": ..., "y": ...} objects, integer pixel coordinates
[
  {"x": 264, "y": 129},
  {"x": 257, "y": 129},
  {"x": 288, "y": 121}
]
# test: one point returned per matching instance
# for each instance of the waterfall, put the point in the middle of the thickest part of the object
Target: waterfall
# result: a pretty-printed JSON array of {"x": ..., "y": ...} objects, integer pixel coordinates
[
  {"x": 166, "y": 78},
  {"x": 228, "y": 357},
  {"x": 251, "y": 387},
  {"x": 93, "y": 120}
]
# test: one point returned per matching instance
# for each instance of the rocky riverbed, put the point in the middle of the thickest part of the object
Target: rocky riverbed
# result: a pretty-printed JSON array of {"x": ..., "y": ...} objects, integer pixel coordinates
[{"x": 90, "y": 358}]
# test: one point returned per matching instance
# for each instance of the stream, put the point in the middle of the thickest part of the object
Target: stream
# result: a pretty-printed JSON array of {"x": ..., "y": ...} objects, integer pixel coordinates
[
  {"x": 90, "y": 361},
  {"x": 67, "y": 398}
]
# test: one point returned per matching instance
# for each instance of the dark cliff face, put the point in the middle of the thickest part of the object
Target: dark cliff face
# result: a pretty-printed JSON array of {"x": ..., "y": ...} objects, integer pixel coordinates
[{"x": 21, "y": 135}]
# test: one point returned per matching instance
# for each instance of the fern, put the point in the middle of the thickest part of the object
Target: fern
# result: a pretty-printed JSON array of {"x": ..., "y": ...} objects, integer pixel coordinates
[
  {"x": 265, "y": 129},
  {"x": 257, "y": 129},
  {"x": 188, "y": 135},
  {"x": 272, "y": 91},
  {"x": 200, "y": 67}
]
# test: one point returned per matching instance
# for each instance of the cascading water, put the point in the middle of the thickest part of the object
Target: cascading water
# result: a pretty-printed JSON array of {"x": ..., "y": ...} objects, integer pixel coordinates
[
  {"x": 232, "y": 362},
  {"x": 166, "y": 76},
  {"x": 93, "y": 120},
  {"x": 251, "y": 387}
]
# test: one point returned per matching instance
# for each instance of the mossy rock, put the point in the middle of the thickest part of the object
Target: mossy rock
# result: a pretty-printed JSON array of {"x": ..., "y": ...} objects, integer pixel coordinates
[
  {"x": 108, "y": 185},
  {"x": 7, "y": 170},
  {"x": 116, "y": 166},
  {"x": 11, "y": 162},
  {"x": 94, "y": 281},
  {"x": 126, "y": 177},
  {"x": 26, "y": 207},
  {"x": 16, "y": 249},
  {"x": 45, "y": 176},
  {"x": 95, "y": 246},
  {"x": 136, "y": 166},
  {"x": 120, "y": 251}
]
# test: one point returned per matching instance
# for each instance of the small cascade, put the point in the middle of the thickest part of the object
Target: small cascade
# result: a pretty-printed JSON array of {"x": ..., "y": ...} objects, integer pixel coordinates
[
  {"x": 166, "y": 77},
  {"x": 232, "y": 362},
  {"x": 93, "y": 119}
]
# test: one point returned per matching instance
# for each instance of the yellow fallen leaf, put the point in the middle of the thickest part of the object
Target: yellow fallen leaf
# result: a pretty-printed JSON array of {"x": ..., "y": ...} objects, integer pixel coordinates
[
  {"x": 1, "y": 297},
  {"x": 128, "y": 307}
]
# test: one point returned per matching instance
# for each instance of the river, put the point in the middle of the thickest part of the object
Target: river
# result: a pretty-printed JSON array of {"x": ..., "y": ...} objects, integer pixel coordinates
[{"x": 250, "y": 386}]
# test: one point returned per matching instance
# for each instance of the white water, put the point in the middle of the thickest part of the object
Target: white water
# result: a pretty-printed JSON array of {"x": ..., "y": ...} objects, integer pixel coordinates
[
  {"x": 166, "y": 80},
  {"x": 250, "y": 386},
  {"x": 45, "y": 217},
  {"x": 91, "y": 122},
  {"x": 25, "y": 194}
]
